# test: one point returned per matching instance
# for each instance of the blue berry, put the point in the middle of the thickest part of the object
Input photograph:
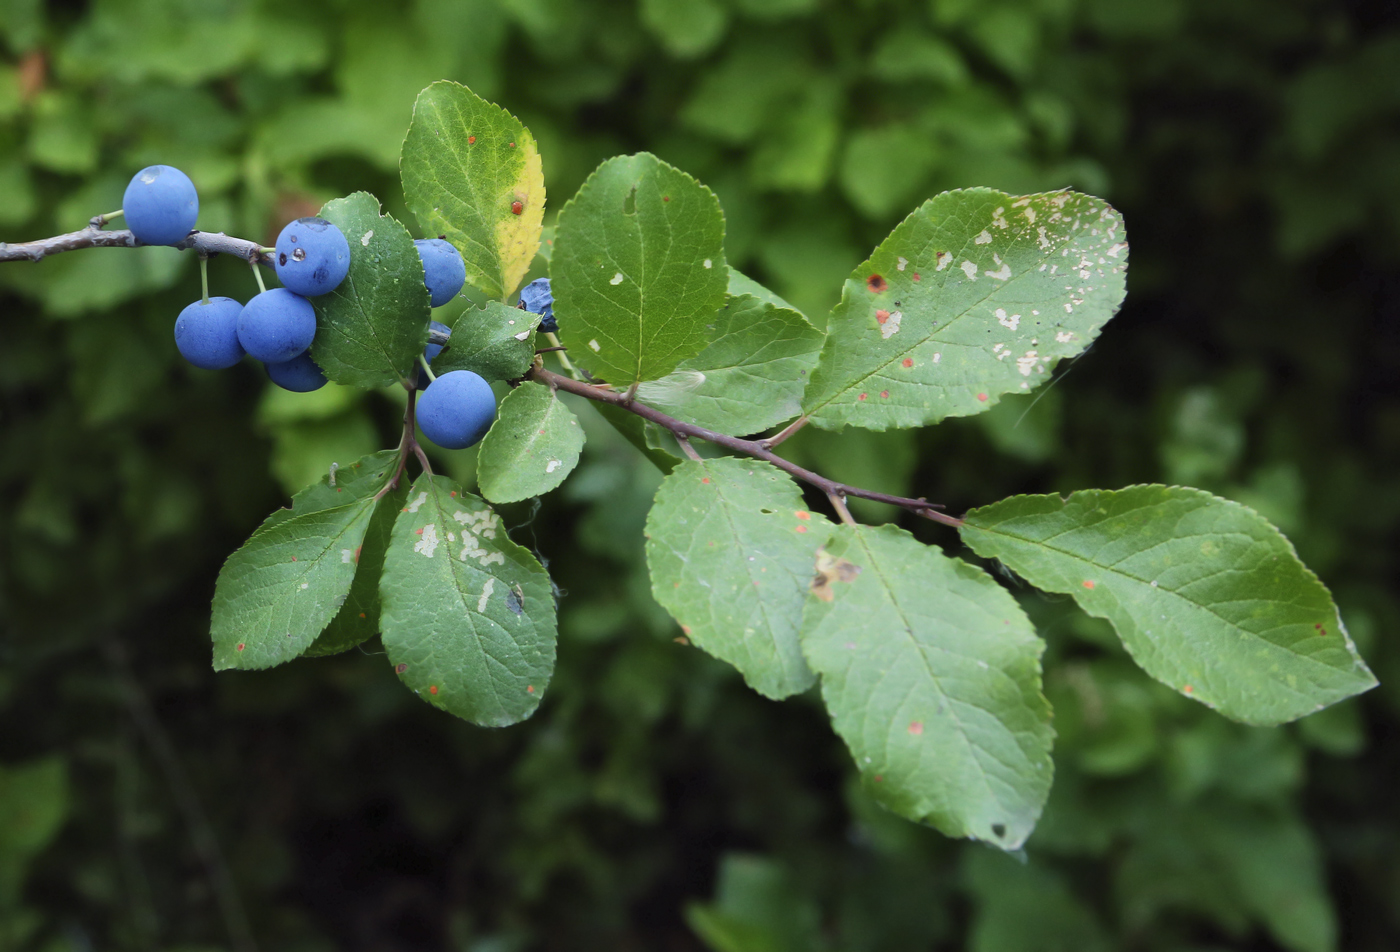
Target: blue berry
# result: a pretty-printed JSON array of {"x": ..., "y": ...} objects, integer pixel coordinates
[
  {"x": 277, "y": 325},
  {"x": 207, "y": 334},
  {"x": 313, "y": 256},
  {"x": 456, "y": 410},
  {"x": 160, "y": 205},
  {"x": 443, "y": 270},
  {"x": 536, "y": 298},
  {"x": 299, "y": 375}
]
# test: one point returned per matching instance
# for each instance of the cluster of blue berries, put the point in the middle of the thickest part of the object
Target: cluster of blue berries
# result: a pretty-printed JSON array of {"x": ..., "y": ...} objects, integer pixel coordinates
[{"x": 278, "y": 326}]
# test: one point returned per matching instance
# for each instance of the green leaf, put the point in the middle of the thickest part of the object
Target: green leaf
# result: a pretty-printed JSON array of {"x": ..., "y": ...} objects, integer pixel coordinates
[
  {"x": 655, "y": 443},
  {"x": 371, "y": 328},
  {"x": 276, "y": 593},
  {"x": 358, "y": 618},
  {"x": 466, "y": 163},
  {"x": 740, "y": 283},
  {"x": 687, "y": 28},
  {"x": 1208, "y": 597},
  {"x": 730, "y": 545},
  {"x": 749, "y": 377},
  {"x": 468, "y": 615},
  {"x": 496, "y": 341},
  {"x": 931, "y": 673},
  {"x": 533, "y": 445},
  {"x": 976, "y": 294},
  {"x": 638, "y": 269}
]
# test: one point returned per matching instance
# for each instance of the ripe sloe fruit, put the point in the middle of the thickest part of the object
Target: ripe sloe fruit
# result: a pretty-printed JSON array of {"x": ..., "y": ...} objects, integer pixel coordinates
[
  {"x": 276, "y": 325},
  {"x": 299, "y": 375},
  {"x": 207, "y": 334},
  {"x": 537, "y": 298},
  {"x": 456, "y": 410},
  {"x": 160, "y": 205},
  {"x": 313, "y": 256},
  {"x": 443, "y": 269}
]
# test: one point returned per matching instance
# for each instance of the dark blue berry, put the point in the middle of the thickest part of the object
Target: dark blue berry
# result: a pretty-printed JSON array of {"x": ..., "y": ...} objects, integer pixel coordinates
[
  {"x": 313, "y": 256},
  {"x": 299, "y": 375},
  {"x": 207, "y": 334},
  {"x": 160, "y": 205},
  {"x": 537, "y": 298},
  {"x": 456, "y": 410},
  {"x": 277, "y": 325},
  {"x": 443, "y": 270}
]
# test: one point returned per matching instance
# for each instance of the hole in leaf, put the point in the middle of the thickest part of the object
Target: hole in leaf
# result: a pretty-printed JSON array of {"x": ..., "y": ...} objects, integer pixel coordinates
[{"x": 998, "y": 830}]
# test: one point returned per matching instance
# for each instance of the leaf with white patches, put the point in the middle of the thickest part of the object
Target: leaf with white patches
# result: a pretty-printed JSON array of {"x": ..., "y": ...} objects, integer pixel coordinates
[
  {"x": 730, "y": 546},
  {"x": 749, "y": 377},
  {"x": 471, "y": 172},
  {"x": 530, "y": 449},
  {"x": 468, "y": 616},
  {"x": 495, "y": 341},
  {"x": 974, "y": 295},
  {"x": 276, "y": 593},
  {"x": 372, "y": 327},
  {"x": 1209, "y": 598},
  {"x": 931, "y": 673},
  {"x": 638, "y": 270}
]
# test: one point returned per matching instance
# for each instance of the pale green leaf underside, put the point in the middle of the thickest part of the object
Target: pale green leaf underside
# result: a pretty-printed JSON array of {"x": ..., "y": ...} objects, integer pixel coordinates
[
  {"x": 467, "y": 615},
  {"x": 638, "y": 269},
  {"x": 741, "y": 284},
  {"x": 750, "y": 376},
  {"x": 976, "y": 294},
  {"x": 371, "y": 328},
  {"x": 1209, "y": 598},
  {"x": 730, "y": 546},
  {"x": 285, "y": 584},
  {"x": 533, "y": 445},
  {"x": 495, "y": 341},
  {"x": 931, "y": 673},
  {"x": 465, "y": 165}
]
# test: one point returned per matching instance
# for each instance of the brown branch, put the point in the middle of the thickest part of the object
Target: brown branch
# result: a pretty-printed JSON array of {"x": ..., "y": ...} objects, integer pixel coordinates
[
  {"x": 754, "y": 448},
  {"x": 205, "y": 242}
]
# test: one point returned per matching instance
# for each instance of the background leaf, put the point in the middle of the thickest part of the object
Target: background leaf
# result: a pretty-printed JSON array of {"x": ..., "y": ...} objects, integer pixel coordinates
[
  {"x": 465, "y": 164},
  {"x": 975, "y": 294},
  {"x": 468, "y": 615},
  {"x": 286, "y": 583},
  {"x": 730, "y": 545},
  {"x": 1208, "y": 597},
  {"x": 931, "y": 673},
  {"x": 371, "y": 328},
  {"x": 532, "y": 447},
  {"x": 496, "y": 341},
  {"x": 749, "y": 377},
  {"x": 638, "y": 269}
]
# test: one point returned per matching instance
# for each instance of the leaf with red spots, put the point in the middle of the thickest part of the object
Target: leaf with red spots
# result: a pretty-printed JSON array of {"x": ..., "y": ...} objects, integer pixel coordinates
[
  {"x": 637, "y": 280},
  {"x": 1203, "y": 591},
  {"x": 467, "y": 610},
  {"x": 751, "y": 374},
  {"x": 730, "y": 546},
  {"x": 976, "y": 294},
  {"x": 285, "y": 585},
  {"x": 465, "y": 165},
  {"x": 931, "y": 673}
]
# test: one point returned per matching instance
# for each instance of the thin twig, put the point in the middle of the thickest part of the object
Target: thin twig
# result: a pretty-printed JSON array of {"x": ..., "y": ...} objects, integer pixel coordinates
[
  {"x": 787, "y": 431},
  {"x": 838, "y": 502},
  {"x": 689, "y": 450},
  {"x": 206, "y": 242},
  {"x": 754, "y": 448}
]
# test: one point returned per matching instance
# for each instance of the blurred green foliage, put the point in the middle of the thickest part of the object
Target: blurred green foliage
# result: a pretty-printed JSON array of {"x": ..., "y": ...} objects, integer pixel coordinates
[{"x": 654, "y": 802}]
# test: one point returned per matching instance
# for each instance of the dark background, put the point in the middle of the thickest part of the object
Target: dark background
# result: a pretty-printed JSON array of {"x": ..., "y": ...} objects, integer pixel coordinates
[{"x": 1253, "y": 147}]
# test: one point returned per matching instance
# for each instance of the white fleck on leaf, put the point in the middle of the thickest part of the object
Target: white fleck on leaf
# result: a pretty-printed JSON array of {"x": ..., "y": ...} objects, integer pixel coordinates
[
  {"x": 485, "y": 594},
  {"x": 985, "y": 238},
  {"x": 970, "y": 270},
  {"x": 367, "y": 236},
  {"x": 616, "y": 279},
  {"x": 429, "y": 543},
  {"x": 418, "y": 502}
]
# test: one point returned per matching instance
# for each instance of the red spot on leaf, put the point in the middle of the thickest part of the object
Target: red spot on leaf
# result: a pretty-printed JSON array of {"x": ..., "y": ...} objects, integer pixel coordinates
[
  {"x": 686, "y": 629},
  {"x": 861, "y": 397},
  {"x": 982, "y": 397},
  {"x": 916, "y": 728},
  {"x": 882, "y": 316},
  {"x": 357, "y": 553},
  {"x": 876, "y": 284},
  {"x": 416, "y": 531},
  {"x": 1188, "y": 689},
  {"x": 432, "y": 689},
  {"x": 339, "y": 489},
  {"x": 885, "y": 394},
  {"x": 705, "y": 480},
  {"x": 453, "y": 493},
  {"x": 879, "y": 778},
  {"x": 916, "y": 276},
  {"x": 362, "y": 614},
  {"x": 517, "y": 207},
  {"x": 471, "y": 140},
  {"x": 908, "y": 361},
  {"x": 801, "y": 528},
  {"x": 401, "y": 667},
  {"x": 530, "y": 688},
  {"x": 241, "y": 646},
  {"x": 1088, "y": 583},
  {"x": 803, "y": 514},
  {"x": 665, "y": 198},
  {"x": 512, "y": 145},
  {"x": 294, "y": 558}
]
